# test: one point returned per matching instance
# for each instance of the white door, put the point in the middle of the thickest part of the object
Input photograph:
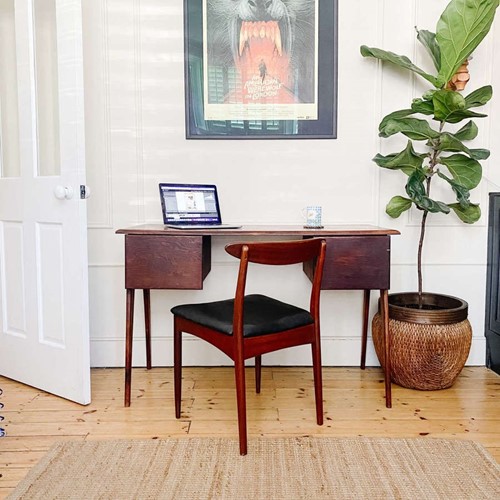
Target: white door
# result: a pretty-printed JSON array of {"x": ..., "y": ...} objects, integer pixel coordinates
[{"x": 44, "y": 330}]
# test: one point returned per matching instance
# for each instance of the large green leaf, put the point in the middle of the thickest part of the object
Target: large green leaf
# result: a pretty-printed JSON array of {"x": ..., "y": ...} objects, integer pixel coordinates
[
  {"x": 428, "y": 40},
  {"x": 461, "y": 28},
  {"x": 449, "y": 142},
  {"x": 407, "y": 160},
  {"x": 462, "y": 114},
  {"x": 429, "y": 205},
  {"x": 479, "y": 97},
  {"x": 452, "y": 107},
  {"x": 403, "y": 113},
  {"x": 462, "y": 192},
  {"x": 397, "y": 205},
  {"x": 415, "y": 189},
  {"x": 415, "y": 186},
  {"x": 447, "y": 102},
  {"x": 479, "y": 154},
  {"x": 468, "y": 132},
  {"x": 401, "y": 61},
  {"x": 465, "y": 171},
  {"x": 422, "y": 106},
  {"x": 468, "y": 215},
  {"x": 433, "y": 206},
  {"x": 418, "y": 130}
]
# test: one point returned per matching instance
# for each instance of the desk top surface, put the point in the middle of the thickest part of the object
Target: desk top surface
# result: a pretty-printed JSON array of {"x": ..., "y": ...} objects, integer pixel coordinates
[{"x": 263, "y": 230}]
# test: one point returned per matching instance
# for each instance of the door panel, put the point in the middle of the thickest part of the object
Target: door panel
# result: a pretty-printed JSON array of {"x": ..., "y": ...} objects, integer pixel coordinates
[
  {"x": 13, "y": 292},
  {"x": 47, "y": 86},
  {"x": 9, "y": 125}
]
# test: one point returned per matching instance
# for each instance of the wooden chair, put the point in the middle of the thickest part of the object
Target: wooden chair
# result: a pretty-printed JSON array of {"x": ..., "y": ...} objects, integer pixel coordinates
[{"x": 252, "y": 325}]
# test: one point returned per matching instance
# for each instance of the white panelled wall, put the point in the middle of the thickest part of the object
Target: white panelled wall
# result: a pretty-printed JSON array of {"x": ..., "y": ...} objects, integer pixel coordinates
[{"x": 134, "y": 92}]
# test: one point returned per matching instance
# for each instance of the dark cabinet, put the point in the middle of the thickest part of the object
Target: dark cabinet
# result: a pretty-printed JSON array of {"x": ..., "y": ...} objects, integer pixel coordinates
[{"x": 492, "y": 320}]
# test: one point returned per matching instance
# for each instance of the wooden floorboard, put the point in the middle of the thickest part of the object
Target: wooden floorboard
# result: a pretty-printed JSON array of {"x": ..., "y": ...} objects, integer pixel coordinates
[{"x": 354, "y": 406}]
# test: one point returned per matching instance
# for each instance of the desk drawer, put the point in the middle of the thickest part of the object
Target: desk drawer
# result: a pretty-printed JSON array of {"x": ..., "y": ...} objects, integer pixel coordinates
[
  {"x": 355, "y": 263},
  {"x": 176, "y": 262}
]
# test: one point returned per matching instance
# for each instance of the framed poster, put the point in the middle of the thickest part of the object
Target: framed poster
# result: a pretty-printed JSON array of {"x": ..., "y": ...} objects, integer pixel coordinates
[{"x": 257, "y": 69}]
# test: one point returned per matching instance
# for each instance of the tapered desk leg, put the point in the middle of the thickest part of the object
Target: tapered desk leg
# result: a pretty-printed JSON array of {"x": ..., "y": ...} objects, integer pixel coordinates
[
  {"x": 384, "y": 307},
  {"x": 364, "y": 338},
  {"x": 129, "y": 333},
  {"x": 147, "y": 325}
]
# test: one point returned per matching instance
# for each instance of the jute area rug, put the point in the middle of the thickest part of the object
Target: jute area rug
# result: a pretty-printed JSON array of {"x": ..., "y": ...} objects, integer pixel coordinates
[{"x": 289, "y": 468}]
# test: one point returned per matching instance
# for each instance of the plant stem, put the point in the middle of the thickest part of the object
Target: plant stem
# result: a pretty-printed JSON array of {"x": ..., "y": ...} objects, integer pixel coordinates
[
  {"x": 420, "y": 247},
  {"x": 432, "y": 170}
]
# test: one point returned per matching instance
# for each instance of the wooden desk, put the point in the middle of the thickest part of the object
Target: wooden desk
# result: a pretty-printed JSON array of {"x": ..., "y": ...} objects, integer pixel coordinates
[{"x": 357, "y": 258}]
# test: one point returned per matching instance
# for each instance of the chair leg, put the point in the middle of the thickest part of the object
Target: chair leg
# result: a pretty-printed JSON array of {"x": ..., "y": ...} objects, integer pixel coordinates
[
  {"x": 258, "y": 370},
  {"x": 177, "y": 368},
  {"x": 318, "y": 382},
  {"x": 239, "y": 372},
  {"x": 364, "y": 338}
]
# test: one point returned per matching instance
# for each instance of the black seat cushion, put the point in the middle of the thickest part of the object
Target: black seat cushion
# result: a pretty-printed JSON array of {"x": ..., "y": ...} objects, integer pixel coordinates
[{"x": 262, "y": 315}]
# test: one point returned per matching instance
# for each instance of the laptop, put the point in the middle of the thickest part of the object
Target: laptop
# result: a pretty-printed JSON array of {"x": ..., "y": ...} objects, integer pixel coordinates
[{"x": 191, "y": 206}]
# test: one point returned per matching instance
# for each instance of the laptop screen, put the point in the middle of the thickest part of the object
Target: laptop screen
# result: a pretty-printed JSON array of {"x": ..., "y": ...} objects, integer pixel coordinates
[{"x": 189, "y": 204}]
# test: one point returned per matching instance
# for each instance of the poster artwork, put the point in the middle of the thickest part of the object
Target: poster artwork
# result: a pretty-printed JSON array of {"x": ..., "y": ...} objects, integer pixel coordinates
[{"x": 260, "y": 59}]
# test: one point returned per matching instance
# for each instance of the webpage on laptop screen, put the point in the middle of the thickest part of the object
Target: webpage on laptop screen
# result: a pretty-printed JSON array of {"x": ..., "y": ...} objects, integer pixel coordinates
[{"x": 186, "y": 204}]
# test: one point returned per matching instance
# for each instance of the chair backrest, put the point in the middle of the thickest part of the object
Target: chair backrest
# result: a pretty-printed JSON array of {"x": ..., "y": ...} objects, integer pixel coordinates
[
  {"x": 278, "y": 252},
  {"x": 281, "y": 253}
]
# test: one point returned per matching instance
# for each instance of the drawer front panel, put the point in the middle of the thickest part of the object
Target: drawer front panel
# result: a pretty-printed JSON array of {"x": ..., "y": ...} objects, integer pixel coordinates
[
  {"x": 355, "y": 263},
  {"x": 175, "y": 262}
]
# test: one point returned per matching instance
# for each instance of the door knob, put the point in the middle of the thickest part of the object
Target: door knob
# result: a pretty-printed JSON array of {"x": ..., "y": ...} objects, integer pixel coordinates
[{"x": 63, "y": 192}]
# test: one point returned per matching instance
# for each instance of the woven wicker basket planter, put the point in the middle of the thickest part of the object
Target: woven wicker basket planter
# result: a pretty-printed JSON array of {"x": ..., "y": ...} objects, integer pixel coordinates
[{"x": 429, "y": 348}]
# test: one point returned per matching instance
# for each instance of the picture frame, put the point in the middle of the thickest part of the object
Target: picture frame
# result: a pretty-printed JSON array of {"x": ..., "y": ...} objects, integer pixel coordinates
[{"x": 249, "y": 75}]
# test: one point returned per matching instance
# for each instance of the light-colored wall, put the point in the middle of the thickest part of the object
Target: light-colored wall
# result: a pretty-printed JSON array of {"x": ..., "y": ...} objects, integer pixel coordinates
[{"x": 134, "y": 90}]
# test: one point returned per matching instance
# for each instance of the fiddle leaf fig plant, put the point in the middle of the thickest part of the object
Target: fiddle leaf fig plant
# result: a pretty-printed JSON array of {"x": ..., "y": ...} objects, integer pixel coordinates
[{"x": 435, "y": 148}]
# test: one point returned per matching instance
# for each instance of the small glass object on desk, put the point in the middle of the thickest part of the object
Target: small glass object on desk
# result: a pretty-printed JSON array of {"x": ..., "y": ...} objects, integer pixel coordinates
[{"x": 312, "y": 216}]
